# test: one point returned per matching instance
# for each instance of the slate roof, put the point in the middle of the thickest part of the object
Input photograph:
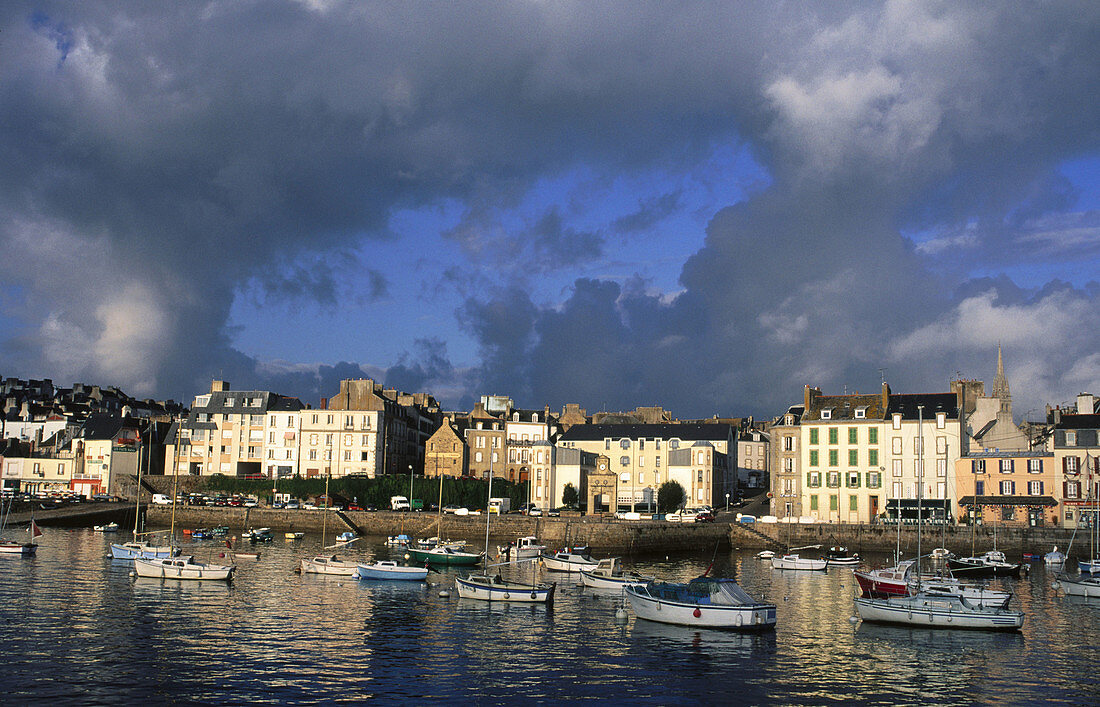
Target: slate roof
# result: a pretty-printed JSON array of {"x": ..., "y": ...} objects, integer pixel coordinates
[
  {"x": 844, "y": 407},
  {"x": 1079, "y": 422},
  {"x": 101, "y": 425},
  {"x": 932, "y": 402},
  {"x": 689, "y": 432}
]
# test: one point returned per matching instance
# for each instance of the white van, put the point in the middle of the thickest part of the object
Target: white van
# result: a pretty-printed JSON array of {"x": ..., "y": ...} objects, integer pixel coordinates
[{"x": 161, "y": 500}]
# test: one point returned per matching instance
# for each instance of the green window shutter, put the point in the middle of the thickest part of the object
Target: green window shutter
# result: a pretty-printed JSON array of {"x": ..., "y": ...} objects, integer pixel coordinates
[
  {"x": 834, "y": 503},
  {"x": 813, "y": 435},
  {"x": 833, "y": 460},
  {"x": 853, "y": 457},
  {"x": 872, "y": 457},
  {"x": 873, "y": 435},
  {"x": 853, "y": 435},
  {"x": 813, "y": 503},
  {"x": 853, "y": 503},
  {"x": 813, "y": 457},
  {"x": 832, "y": 435}
]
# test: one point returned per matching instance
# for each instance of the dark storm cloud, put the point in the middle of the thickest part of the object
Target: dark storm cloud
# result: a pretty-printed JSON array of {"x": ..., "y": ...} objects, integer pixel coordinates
[
  {"x": 650, "y": 212},
  {"x": 160, "y": 157}
]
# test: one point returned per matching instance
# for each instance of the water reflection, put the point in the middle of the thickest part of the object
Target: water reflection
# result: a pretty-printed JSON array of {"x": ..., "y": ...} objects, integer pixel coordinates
[{"x": 275, "y": 636}]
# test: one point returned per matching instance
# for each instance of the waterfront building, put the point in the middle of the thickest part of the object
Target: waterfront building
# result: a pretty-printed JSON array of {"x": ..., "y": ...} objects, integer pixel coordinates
[
  {"x": 225, "y": 432},
  {"x": 568, "y": 465},
  {"x": 700, "y": 457},
  {"x": 483, "y": 431},
  {"x": 1076, "y": 448},
  {"x": 989, "y": 425},
  {"x": 1008, "y": 488},
  {"x": 447, "y": 452},
  {"x": 753, "y": 462},
  {"x": 527, "y": 435},
  {"x": 786, "y": 462}
]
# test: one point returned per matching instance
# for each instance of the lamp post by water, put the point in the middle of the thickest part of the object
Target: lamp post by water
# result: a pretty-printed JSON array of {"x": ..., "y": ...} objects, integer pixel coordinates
[
  {"x": 410, "y": 486},
  {"x": 727, "y": 503}
]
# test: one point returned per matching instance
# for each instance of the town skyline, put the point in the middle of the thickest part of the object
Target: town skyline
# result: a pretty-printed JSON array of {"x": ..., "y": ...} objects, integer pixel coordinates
[{"x": 704, "y": 207}]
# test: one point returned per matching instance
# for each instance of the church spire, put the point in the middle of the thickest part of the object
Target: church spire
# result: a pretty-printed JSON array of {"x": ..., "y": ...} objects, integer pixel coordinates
[{"x": 1000, "y": 383}]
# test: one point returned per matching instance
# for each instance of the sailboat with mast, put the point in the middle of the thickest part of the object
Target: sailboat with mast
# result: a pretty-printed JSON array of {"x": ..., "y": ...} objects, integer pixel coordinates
[
  {"x": 1087, "y": 584},
  {"x": 327, "y": 564},
  {"x": 14, "y": 547},
  {"x": 930, "y": 604},
  {"x": 139, "y": 546},
  {"x": 496, "y": 588},
  {"x": 443, "y": 553}
]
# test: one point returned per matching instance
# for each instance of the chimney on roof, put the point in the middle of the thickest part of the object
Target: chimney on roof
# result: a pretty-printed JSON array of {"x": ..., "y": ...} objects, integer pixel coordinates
[
  {"x": 324, "y": 404},
  {"x": 885, "y": 396},
  {"x": 1086, "y": 404},
  {"x": 808, "y": 394},
  {"x": 217, "y": 386}
]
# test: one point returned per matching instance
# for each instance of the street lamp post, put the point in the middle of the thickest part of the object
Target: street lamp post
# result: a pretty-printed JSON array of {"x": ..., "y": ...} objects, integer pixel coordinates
[
  {"x": 410, "y": 486},
  {"x": 727, "y": 503}
]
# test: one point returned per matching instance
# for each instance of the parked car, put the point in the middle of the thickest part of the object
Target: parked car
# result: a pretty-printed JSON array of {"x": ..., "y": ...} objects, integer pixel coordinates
[
  {"x": 451, "y": 508},
  {"x": 534, "y": 511},
  {"x": 704, "y": 516},
  {"x": 554, "y": 513},
  {"x": 292, "y": 505},
  {"x": 685, "y": 515},
  {"x": 354, "y": 507}
]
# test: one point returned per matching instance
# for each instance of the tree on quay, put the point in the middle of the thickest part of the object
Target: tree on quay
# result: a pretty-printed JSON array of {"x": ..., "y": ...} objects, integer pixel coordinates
[
  {"x": 569, "y": 496},
  {"x": 670, "y": 497}
]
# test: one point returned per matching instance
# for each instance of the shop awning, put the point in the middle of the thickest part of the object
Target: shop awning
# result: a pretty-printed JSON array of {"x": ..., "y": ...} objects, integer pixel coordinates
[{"x": 1007, "y": 501}]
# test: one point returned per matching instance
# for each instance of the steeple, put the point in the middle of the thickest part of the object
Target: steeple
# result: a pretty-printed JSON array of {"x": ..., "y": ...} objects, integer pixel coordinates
[{"x": 1000, "y": 384}]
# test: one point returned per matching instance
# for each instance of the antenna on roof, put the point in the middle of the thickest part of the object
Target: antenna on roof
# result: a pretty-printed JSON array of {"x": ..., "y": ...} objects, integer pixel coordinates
[{"x": 882, "y": 375}]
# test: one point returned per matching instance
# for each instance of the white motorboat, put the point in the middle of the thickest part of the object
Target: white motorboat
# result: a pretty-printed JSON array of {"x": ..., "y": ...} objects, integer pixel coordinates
[
  {"x": 293, "y": 535},
  {"x": 573, "y": 560},
  {"x": 794, "y": 562},
  {"x": 941, "y": 553},
  {"x": 702, "y": 602},
  {"x": 1089, "y": 566},
  {"x": 13, "y": 547},
  {"x": 108, "y": 528},
  {"x": 992, "y": 563},
  {"x": 485, "y": 588},
  {"x": 609, "y": 574},
  {"x": 765, "y": 554},
  {"x": 142, "y": 550},
  {"x": 974, "y": 593},
  {"x": 181, "y": 568},
  {"x": 1085, "y": 586},
  {"x": 524, "y": 548},
  {"x": 390, "y": 570},
  {"x": 839, "y": 555},
  {"x": 398, "y": 540},
  {"x": 328, "y": 564},
  {"x": 935, "y": 610},
  {"x": 1055, "y": 558}
]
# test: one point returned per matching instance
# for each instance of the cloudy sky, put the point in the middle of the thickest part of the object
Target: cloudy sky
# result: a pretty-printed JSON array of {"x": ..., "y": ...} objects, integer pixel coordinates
[{"x": 703, "y": 206}]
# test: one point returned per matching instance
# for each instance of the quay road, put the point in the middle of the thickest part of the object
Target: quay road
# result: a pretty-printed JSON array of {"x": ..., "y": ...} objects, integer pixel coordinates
[{"x": 71, "y": 515}]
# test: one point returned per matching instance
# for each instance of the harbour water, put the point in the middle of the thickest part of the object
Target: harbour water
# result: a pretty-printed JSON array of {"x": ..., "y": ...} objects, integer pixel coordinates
[{"x": 75, "y": 627}]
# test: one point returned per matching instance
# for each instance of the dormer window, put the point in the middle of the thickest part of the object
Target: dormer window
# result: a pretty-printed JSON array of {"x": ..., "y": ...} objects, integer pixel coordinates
[
  {"x": 229, "y": 402},
  {"x": 788, "y": 420},
  {"x": 941, "y": 420},
  {"x": 827, "y": 414},
  {"x": 897, "y": 420},
  {"x": 535, "y": 417},
  {"x": 861, "y": 412}
]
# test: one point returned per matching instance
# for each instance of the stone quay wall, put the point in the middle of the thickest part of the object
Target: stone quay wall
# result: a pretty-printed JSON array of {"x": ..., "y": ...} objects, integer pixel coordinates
[
  {"x": 602, "y": 534},
  {"x": 884, "y": 538}
]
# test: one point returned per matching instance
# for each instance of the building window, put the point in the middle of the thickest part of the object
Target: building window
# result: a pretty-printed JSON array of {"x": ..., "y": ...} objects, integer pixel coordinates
[
  {"x": 853, "y": 435},
  {"x": 827, "y": 414},
  {"x": 941, "y": 445},
  {"x": 896, "y": 420},
  {"x": 1008, "y": 488},
  {"x": 872, "y": 457},
  {"x": 834, "y": 502},
  {"x": 918, "y": 445},
  {"x": 1035, "y": 466},
  {"x": 853, "y": 503},
  {"x": 788, "y": 443},
  {"x": 813, "y": 479},
  {"x": 813, "y": 503},
  {"x": 834, "y": 479},
  {"x": 834, "y": 457},
  {"x": 813, "y": 435},
  {"x": 833, "y": 435},
  {"x": 895, "y": 445},
  {"x": 1073, "y": 489},
  {"x": 979, "y": 487},
  {"x": 813, "y": 457},
  {"x": 1006, "y": 466},
  {"x": 788, "y": 465},
  {"x": 853, "y": 457},
  {"x": 896, "y": 466},
  {"x": 861, "y": 413},
  {"x": 874, "y": 480},
  {"x": 1071, "y": 438},
  {"x": 624, "y": 443},
  {"x": 853, "y": 479},
  {"x": 941, "y": 467},
  {"x": 1035, "y": 488},
  {"x": 788, "y": 487},
  {"x": 872, "y": 435},
  {"x": 1071, "y": 465},
  {"x": 941, "y": 420},
  {"x": 623, "y": 461},
  {"x": 477, "y": 457},
  {"x": 657, "y": 462},
  {"x": 624, "y": 477},
  {"x": 977, "y": 466}
]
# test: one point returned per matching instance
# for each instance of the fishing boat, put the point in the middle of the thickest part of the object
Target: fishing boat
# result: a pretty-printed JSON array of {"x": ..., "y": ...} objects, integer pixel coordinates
[
  {"x": 328, "y": 564},
  {"x": 399, "y": 540},
  {"x": 941, "y": 554},
  {"x": 259, "y": 535},
  {"x": 111, "y": 527},
  {"x": 481, "y": 586},
  {"x": 142, "y": 549},
  {"x": 524, "y": 548},
  {"x": 294, "y": 535},
  {"x": 346, "y": 537},
  {"x": 765, "y": 554},
  {"x": 14, "y": 547},
  {"x": 182, "y": 568},
  {"x": 704, "y": 602},
  {"x": 988, "y": 564},
  {"x": 568, "y": 560},
  {"x": 390, "y": 570},
  {"x": 1054, "y": 558},
  {"x": 794, "y": 562},
  {"x": 609, "y": 574},
  {"x": 936, "y": 610},
  {"x": 1089, "y": 566}
]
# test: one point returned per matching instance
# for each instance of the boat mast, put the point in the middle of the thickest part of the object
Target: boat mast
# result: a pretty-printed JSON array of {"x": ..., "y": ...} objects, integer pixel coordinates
[
  {"x": 488, "y": 510},
  {"x": 920, "y": 482},
  {"x": 175, "y": 479},
  {"x": 137, "y": 493}
]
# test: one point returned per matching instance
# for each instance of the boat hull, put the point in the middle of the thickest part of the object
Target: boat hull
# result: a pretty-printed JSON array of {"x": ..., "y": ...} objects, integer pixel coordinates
[
  {"x": 794, "y": 562},
  {"x": 965, "y": 569},
  {"x": 330, "y": 566},
  {"x": 1089, "y": 588},
  {"x": 573, "y": 563},
  {"x": 443, "y": 557},
  {"x": 936, "y": 613},
  {"x": 407, "y": 574},
  {"x": 133, "y": 551},
  {"x": 14, "y": 548},
  {"x": 469, "y": 588},
  {"x": 753, "y": 617},
  {"x": 596, "y": 580},
  {"x": 174, "y": 568}
]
